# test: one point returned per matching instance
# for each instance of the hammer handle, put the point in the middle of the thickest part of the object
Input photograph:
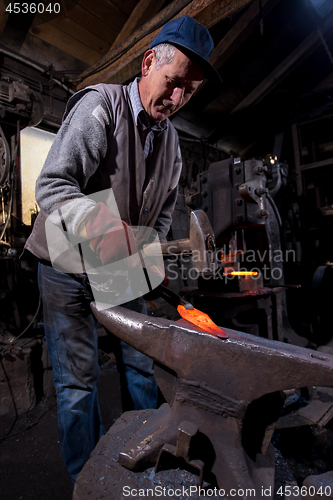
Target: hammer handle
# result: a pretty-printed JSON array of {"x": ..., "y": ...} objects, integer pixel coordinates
[{"x": 168, "y": 247}]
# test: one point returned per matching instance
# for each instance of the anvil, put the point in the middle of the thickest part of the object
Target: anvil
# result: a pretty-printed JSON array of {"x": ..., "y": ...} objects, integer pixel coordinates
[{"x": 213, "y": 388}]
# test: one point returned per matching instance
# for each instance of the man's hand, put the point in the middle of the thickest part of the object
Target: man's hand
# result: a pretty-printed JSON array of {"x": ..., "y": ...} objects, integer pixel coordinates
[
  {"x": 114, "y": 240},
  {"x": 110, "y": 238}
]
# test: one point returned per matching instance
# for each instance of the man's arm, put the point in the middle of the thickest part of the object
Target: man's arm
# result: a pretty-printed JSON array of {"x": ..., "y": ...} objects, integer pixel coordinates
[{"x": 76, "y": 153}]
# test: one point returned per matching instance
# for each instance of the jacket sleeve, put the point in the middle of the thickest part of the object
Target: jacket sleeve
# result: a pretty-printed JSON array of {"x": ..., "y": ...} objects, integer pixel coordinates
[
  {"x": 163, "y": 222},
  {"x": 78, "y": 149}
]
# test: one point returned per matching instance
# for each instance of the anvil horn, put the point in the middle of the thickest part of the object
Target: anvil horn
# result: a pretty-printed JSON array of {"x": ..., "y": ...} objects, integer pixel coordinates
[{"x": 243, "y": 366}]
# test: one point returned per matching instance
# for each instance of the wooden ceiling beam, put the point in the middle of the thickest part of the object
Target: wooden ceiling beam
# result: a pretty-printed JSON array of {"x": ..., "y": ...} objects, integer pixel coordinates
[
  {"x": 143, "y": 11},
  {"x": 137, "y": 43},
  {"x": 64, "y": 41},
  {"x": 307, "y": 47},
  {"x": 216, "y": 11},
  {"x": 128, "y": 72},
  {"x": 131, "y": 48},
  {"x": 238, "y": 34},
  {"x": 280, "y": 72},
  {"x": 240, "y": 31},
  {"x": 95, "y": 25},
  {"x": 209, "y": 16},
  {"x": 82, "y": 34},
  {"x": 105, "y": 11},
  {"x": 125, "y": 46},
  {"x": 126, "y": 6},
  {"x": 324, "y": 84}
]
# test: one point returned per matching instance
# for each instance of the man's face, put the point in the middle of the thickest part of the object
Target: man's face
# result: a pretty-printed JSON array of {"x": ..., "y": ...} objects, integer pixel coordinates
[{"x": 165, "y": 90}]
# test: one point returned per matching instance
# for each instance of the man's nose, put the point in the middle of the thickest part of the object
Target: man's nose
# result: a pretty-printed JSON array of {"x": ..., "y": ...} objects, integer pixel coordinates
[{"x": 177, "y": 96}]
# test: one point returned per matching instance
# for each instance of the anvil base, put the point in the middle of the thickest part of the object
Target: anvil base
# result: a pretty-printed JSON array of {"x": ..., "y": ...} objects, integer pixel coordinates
[{"x": 104, "y": 478}]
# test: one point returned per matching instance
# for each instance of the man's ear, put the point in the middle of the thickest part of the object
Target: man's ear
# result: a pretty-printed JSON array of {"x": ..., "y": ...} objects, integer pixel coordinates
[{"x": 148, "y": 61}]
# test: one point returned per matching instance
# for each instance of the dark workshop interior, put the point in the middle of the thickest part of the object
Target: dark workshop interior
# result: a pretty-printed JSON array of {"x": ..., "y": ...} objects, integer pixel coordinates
[{"x": 257, "y": 155}]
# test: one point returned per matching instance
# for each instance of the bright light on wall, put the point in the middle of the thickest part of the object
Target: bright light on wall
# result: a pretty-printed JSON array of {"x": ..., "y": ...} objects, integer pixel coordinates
[{"x": 35, "y": 145}]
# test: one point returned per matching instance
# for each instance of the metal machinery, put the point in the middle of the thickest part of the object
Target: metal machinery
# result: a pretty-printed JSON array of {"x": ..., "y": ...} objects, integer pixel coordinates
[
  {"x": 248, "y": 290},
  {"x": 29, "y": 94},
  {"x": 19, "y": 107}
]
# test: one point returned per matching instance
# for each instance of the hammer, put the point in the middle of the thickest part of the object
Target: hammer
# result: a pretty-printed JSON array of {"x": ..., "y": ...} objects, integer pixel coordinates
[{"x": 200, "y": 244}]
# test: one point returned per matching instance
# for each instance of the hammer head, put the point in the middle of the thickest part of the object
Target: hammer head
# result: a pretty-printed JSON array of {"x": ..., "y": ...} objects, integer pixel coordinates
[{"x": 202, "y": 242}]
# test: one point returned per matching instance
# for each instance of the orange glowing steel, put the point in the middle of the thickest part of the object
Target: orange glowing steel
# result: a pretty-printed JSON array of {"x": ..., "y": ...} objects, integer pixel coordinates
[
  {"x": 202, "y": 320},
  {"x": 241, "y": 273}
]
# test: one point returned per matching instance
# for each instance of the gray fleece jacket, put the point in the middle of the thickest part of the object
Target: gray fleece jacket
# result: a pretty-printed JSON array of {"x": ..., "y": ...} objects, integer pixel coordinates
[{"x": 98, "y": 148}]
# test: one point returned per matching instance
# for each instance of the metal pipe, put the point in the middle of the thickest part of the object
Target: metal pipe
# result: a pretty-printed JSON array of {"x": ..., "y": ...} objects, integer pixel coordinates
[{"x": 33, "y": 65}]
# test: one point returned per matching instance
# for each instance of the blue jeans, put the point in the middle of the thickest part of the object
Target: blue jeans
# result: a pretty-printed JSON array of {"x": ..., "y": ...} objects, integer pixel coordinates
[{"x": 72, "y": 345}]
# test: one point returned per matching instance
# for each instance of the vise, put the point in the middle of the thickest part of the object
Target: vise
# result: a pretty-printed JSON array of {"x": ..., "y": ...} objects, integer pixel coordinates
[{"x": 212, "y": 387}]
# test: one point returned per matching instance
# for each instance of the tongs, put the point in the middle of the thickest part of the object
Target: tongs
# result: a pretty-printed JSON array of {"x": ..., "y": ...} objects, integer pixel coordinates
[{"x": 190, "y": 313}]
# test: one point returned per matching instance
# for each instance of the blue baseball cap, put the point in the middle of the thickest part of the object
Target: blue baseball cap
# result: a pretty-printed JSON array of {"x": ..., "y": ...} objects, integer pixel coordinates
[{"x": 186, "y": 33}]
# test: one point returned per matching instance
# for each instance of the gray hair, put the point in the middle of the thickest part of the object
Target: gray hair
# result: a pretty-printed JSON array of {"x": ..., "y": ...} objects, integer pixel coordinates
[{"x": 165, "y": 53}]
